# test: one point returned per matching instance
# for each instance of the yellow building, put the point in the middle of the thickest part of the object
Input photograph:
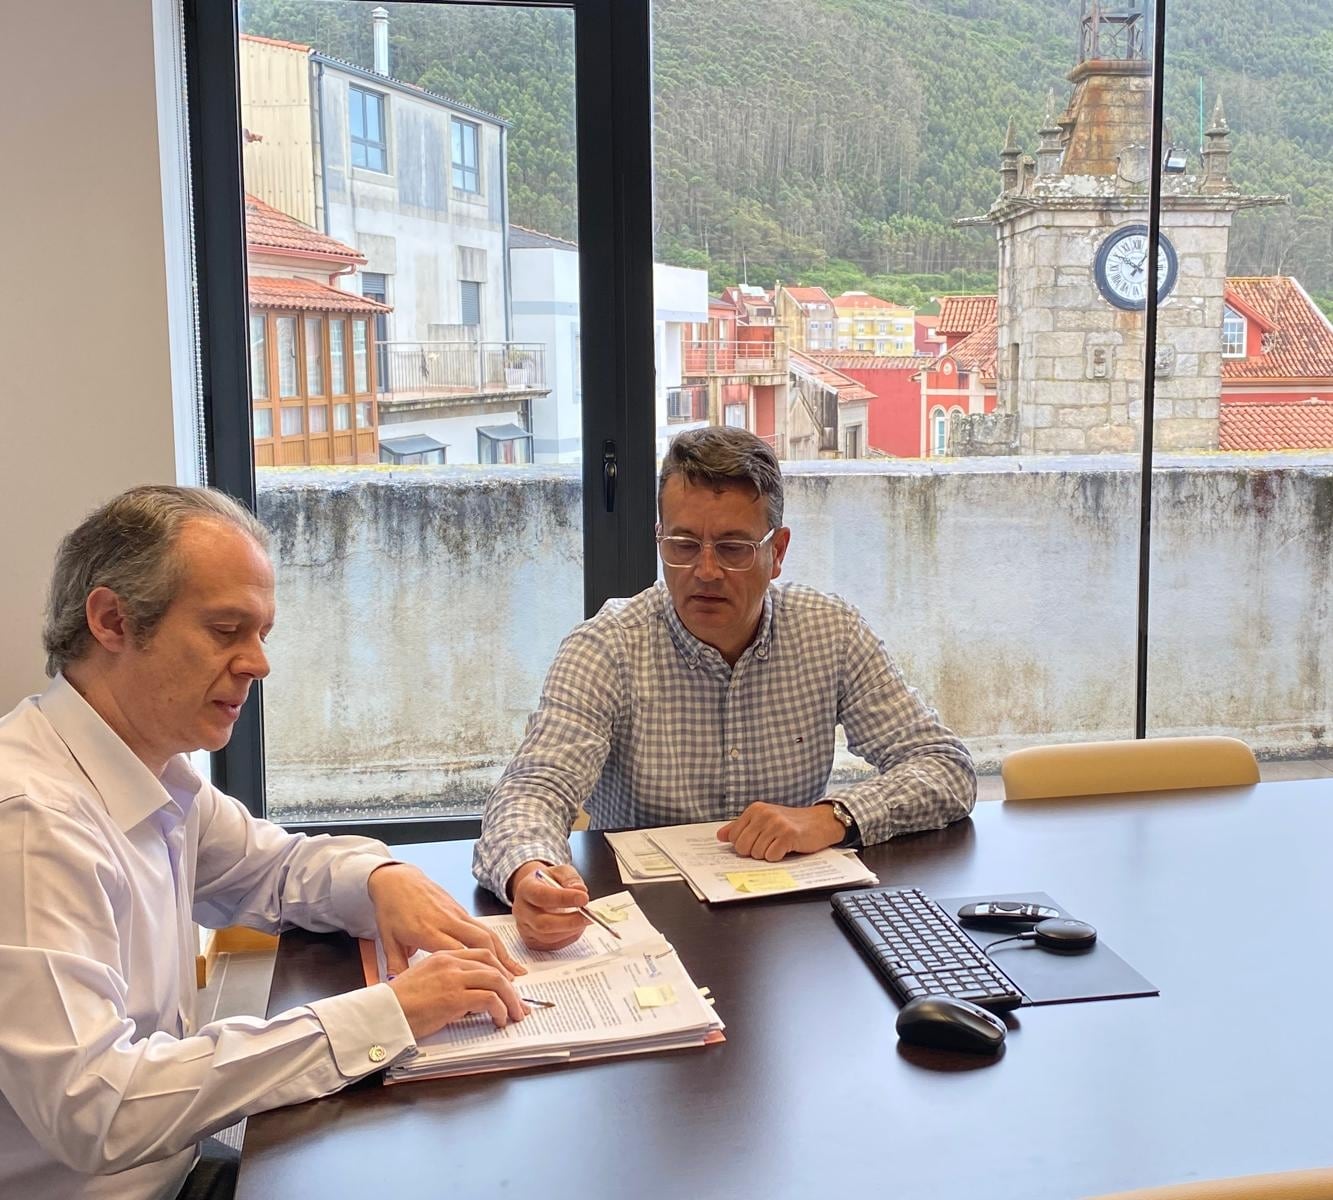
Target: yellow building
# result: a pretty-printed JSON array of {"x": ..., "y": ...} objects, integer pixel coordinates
[{"x": 874, "y": 326}]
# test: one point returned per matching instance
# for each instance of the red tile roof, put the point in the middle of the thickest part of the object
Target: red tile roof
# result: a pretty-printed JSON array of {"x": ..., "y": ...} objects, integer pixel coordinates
[
  {"x": 862, "y": 300},
  {"x": 846, "y": 388},
  {"x": 979, "y": 350},
  {"x": 305, "y": 295},
  {"x": 809, "y": 295},
  {"x": 842, "y": 360},
  {"x": 1300, "y": 345},
  {"x": 964, "y": 314},
  {"x": 1307, "y": 425},
  {"x": 269, "y": 230},
  {"x": 267, "y": 41}
]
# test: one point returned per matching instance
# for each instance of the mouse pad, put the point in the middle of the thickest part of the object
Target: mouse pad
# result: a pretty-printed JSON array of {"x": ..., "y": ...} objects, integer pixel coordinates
[{"x": 1048, "y": 977}]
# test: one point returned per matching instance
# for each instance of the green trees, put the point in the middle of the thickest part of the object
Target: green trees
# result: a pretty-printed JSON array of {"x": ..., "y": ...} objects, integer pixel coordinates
[{"x": 839, "y": 141}]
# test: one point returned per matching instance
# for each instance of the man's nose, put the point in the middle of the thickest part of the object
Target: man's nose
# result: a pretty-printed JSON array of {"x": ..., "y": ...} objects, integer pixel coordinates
[
  {"x": 253, "y": 662},
  {"x": 706, "y": 567}
]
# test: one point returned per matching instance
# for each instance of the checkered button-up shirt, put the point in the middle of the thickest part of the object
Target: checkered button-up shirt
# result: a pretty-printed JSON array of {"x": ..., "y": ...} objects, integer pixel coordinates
[{"x": 646, "y": 725}]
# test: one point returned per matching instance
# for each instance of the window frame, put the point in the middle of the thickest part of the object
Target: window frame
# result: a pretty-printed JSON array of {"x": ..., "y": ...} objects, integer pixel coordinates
[
  {"x": 456, "y": 166},
  {"x": 613, "y": 95},
  {"x": 365, "y": 143},
  {"x": 1229, "y": 317}
]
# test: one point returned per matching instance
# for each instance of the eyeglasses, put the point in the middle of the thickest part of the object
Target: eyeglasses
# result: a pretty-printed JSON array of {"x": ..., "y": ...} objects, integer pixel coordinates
[{"x": 731, "y": 554}]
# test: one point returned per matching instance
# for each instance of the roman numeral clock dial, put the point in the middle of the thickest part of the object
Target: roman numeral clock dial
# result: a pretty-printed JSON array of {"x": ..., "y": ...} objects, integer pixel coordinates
[{"x": 1122, "y": 267}]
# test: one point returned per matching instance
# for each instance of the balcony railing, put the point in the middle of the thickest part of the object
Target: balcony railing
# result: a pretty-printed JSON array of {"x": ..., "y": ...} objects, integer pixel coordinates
[
  {"x": 687, "y": 404},
  {"x": 425, "y": 370},
  {"x": 736, "y": 357}
]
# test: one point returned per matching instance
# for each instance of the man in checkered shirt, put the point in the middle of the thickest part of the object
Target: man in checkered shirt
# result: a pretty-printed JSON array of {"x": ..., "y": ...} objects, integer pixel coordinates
[{"x": 715, "y": 697}]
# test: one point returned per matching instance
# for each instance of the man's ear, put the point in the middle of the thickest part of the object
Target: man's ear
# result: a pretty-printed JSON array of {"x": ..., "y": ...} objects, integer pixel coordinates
[
  {"x": 107, "y": 621},
  {"x": 780, "y": 542}
]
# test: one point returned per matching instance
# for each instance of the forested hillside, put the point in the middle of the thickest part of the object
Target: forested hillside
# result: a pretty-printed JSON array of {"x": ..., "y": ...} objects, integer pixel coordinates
[{"x": 837, "y": 141}]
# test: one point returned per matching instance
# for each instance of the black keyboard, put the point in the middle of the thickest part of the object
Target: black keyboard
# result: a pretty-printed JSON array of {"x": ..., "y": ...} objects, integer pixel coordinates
[{"x": 920, "y": 950}]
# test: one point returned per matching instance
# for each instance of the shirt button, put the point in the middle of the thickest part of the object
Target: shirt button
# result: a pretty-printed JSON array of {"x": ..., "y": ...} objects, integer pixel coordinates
[
  {"x": 735, "y": 752},
  {"x": 378, "y": 1054}
]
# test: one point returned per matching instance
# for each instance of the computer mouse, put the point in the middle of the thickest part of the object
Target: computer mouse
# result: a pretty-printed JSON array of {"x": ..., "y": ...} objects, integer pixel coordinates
[{"x": 948, "y": 1024}]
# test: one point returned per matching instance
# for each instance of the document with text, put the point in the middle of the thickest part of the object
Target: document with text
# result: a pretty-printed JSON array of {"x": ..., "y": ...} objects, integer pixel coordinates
[
  {"x": 718, "y": 874},
  {"x": 606, "y": 997}
]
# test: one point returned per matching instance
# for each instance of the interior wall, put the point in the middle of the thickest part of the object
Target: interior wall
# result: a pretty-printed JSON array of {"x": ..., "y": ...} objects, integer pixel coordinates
[{"x": 86, "y": 398}]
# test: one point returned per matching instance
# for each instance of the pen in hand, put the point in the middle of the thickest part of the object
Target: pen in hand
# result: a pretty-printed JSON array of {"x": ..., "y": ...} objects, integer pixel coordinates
[
  {"x": 537, "y": 1003},
  {"x": 584, "y": 910}
]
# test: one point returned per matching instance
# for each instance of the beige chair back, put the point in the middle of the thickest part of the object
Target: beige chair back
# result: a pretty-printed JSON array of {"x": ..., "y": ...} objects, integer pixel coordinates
[
  {"x": 1137, "y": 765},
  {"x": 1284, "y": 1185}
]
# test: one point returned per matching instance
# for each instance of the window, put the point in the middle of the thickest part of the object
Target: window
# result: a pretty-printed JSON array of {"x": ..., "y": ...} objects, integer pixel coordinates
[
  {"x": 365, "y": 124},
  {"x": 360, "y": 358},
  {"x": 1233, "y": 333},
  {"x": 939, "y": 431},
  {"x": 263, "y": 422},
  {"x": 375, "y": 286},
  {"x": 342, "y": 417},
  {"x": 288, "y": 376},
  {"x": 319, "y": 418},
  {"x": 576, "y": 364},
  {"x": 465, "y": 136},
  {"x": 734, "y": 415},
  {"x": 469, "y": 302},
  {"x": 508, "y": 444},
  {"x": 314, "y": 355},
  {"x": 293, "y": 423},
  {"x": 337, "y": 358},
  {"x": 851, "y": 447},
  {"x": 258, "y": 357}
]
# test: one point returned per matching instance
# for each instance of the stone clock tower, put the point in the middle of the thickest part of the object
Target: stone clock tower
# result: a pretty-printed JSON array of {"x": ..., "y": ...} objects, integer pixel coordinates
[{"x": 1072, "y": 232}]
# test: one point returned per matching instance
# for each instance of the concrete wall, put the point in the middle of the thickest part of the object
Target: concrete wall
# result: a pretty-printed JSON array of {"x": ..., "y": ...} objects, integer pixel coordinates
[
  {"x": 418, "y": 610},
  {"x": 87, "y": 407}
]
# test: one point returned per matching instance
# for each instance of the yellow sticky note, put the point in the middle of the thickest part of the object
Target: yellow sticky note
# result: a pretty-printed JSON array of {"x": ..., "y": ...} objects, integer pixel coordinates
[
  {"x": 654, "y": 997},
  {"x": 761, "y": 881},
  {"x": 612, "y": 915}
]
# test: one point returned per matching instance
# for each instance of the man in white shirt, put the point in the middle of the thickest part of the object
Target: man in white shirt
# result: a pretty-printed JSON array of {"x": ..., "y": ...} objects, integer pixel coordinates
[{"x": 111, "y": 846}]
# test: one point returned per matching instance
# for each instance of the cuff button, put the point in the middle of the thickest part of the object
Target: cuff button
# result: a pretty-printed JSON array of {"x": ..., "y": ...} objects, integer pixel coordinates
[{"x": 378, "y": 1054}]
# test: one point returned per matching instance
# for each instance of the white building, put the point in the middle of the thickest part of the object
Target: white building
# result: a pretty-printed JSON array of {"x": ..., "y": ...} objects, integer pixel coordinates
[{"x": 545, "y": 280}]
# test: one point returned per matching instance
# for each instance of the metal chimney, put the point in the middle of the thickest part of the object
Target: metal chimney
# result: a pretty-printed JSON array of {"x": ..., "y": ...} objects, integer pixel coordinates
[{"x": 379, "y": 19}]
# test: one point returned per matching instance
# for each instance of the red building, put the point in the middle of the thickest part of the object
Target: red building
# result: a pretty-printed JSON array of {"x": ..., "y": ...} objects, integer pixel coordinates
[
  {"x": 893, "y": 416},
  {"x": 961, "y": 381},
  {"x": 1277, "y": 368}
]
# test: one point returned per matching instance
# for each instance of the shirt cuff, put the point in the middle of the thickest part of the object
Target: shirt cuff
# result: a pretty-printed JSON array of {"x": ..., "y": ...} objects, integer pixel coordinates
[
  {"x": 515, "y": 857},
  {"x": 351, "y": 887},
  {"x": 366, "y": 1030}
]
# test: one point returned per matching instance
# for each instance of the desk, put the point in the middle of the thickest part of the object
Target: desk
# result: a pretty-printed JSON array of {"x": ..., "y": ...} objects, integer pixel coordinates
[{"x": 812, "y": 1094}]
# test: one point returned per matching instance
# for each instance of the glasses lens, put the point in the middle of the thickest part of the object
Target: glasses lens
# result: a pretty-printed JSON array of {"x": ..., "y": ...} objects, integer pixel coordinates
[
  {"x": 678, "y": 551},
  {"x": 734, "y": 556}
]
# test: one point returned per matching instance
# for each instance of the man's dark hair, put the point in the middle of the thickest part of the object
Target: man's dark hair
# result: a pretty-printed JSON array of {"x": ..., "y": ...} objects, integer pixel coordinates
[{"x": 721, "y": 456}]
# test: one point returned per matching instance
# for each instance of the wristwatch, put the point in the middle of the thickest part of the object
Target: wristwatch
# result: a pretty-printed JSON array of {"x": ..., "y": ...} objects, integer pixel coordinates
[{"x": 851, "y": 834}]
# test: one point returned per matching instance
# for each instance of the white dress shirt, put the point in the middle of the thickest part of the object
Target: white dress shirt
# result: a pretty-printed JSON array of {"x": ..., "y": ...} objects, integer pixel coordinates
[{"x": 106, "y": 1080}]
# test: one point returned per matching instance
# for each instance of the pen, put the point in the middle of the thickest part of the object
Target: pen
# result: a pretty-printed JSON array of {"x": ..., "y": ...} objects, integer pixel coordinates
[
  {"x": 537, "y": 1003},
  {"x": 583, "y": 909}
]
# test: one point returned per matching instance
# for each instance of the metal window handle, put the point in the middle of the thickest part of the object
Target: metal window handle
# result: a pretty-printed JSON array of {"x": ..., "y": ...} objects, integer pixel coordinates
[{"x": 609, "y": 474}]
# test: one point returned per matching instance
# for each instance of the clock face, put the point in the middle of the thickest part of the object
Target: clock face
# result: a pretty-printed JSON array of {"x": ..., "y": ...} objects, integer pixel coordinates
[{"x": 1122, "y": 267}]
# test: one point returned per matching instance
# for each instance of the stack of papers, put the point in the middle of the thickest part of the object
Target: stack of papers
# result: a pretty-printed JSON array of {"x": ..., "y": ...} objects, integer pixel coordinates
[
  {"x": 718, "y": 874},
  {"x": 638, "y": 859},
  {"x": 611, "y": 997}
]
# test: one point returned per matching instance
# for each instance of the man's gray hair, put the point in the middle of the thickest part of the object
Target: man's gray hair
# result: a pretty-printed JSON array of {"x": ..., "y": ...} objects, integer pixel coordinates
[
  {"x": 721, "y": 456},
  {"x": 129, "y": 545}
]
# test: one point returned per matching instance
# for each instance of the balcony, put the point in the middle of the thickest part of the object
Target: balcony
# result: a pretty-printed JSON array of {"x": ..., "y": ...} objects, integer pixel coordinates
[
  {"x": 687, "y": 404},
  {"x": 737, "y": 357},
  {"x": 418, "y": 376}
]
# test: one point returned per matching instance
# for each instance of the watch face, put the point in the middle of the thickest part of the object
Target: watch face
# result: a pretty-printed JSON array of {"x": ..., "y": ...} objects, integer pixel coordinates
[{"x": 1122, "y": 267}]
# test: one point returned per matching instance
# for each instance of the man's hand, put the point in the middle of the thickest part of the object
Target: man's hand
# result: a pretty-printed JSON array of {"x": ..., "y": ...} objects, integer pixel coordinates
[
  {"x": 772, "y": 831},
  {"x": 414, "y": 913},
  {"x": 453, "y": 983},
  {"x": 544, "y": 916}
]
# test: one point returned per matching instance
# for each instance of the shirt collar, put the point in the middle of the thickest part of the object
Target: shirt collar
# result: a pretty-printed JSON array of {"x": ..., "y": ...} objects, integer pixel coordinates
[
  {"x": 692, "y": 649},
  {"x": 129, "y": 789}
]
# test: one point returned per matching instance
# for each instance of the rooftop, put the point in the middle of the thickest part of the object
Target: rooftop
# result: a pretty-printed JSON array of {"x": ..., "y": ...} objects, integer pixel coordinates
[
  {"x": 964, "y": 314},
  {"x": 1254, "y": 426},
  {"x": 267, "y": 228},
  {"x": 1300, "y": 345},
  {"x": 305, "y": 295}
]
